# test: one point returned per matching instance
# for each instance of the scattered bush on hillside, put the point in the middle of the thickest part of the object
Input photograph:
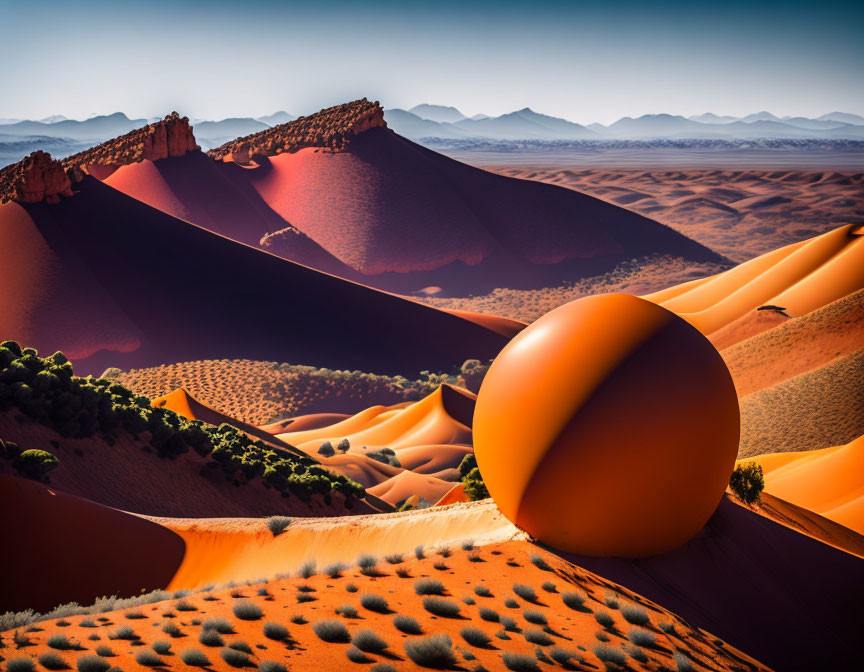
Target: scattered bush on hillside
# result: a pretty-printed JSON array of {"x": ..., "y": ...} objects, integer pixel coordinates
[
  {"x": 441, "y": 607},
  {"x": 34, "y": 464},
  {"x": 277, "y": 524},
  {"x": 52, "y": 661},
  {"x": 332, "y": 631},
  {"x": 343, "y": 446},
  {"x": 374, "y": 602},
  {"x": 575, "y": 601},
  {"x": 368, "y": 641},
  {"x": 235, "y": 658},
  {"x": 527, "y": 593},
  {"x": 519, "y": 662},
  {"x": 475, "y": 637},
  {"x": 747, "y": 482},
  {"x": 428, "y": 587},
  {"x": 92, "y": 664},
  {"x": 148, "y": 659},
  {"x": 406, "y": 624},
  {"x": 482, "y": 591},
  {"x": 385, "y": 456},
  {"x": 472, "y": 480},
  {"x": 20, "y": 665},
  {"x": 326, "y": 449},
  {"x": 271, "y": 666},
  {"x": 247, "y": 611},
  {"x": 635, "y": 614},
  {"x": 46, "y": 390},
  {"x": 195, "y": 658},
  {"x": 435, "y": 651}
]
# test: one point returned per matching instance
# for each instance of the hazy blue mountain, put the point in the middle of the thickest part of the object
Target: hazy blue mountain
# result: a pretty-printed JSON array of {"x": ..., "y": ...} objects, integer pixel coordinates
[
  {"x": 95, "y": 128},
  {"x": 228, "y": 129},
  {"x": 280, "y": 117},
  {"x": 440, "y": 113},
  {"x": 711, "y": 118},
  {"x": 525, "y": 124},
  {"x": 413, "y": 127},
  {"x": 843, "y": 117}
]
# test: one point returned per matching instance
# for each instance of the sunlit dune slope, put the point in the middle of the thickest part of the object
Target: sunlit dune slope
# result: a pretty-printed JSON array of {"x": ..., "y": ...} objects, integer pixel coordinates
[
  {"x": 59, "y": 548},
  {"x": 237, "y": 549},
  {"x": 758, "y": 584},
  {"x": 821, "y": 408},
  {"x": 827, "y": 481},
  {"x": 191, "y": 294},
  {"x": 469, "y": 635},
  {"x": 797, "y": 278},
  {"x": 797, "y": 345}
]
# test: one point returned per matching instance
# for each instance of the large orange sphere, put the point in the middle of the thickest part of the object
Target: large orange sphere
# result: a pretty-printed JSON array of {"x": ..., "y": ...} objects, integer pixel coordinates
[{"x": 608, "y": 427}]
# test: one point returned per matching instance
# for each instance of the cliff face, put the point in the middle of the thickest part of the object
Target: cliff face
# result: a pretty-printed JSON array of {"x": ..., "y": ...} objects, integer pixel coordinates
[
  {"x": 331, "y": 129},
  {"x": 172, "y": 136},
  {"x": 35, "y": 179}
]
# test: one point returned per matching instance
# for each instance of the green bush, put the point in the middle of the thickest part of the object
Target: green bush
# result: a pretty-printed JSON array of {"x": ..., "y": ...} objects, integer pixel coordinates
[
  {"x": 747, "y": 482},
  {"x": 35, "y": 464},
  {"x": 472, "y": 481},
  {"x": 46, "y": 390}
]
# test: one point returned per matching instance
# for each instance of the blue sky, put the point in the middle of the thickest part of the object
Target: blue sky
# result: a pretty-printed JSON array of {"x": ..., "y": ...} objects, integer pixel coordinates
[{"x": 585, "y": 61}]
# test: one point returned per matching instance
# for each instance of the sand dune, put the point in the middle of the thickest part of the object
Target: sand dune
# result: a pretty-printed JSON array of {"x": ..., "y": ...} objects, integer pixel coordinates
[
  {"x": 796, "y": 345},
  {"x": 827, "y": 481},
  {"x": 346, "y": 212},
  {"x": 64, "y": 549},
  {"x": 496, "y": 568},
  {"x": 821, "y": 408},
  {"x": 798, "y": 279},
  {"x": 743, "y": 570},
  {"x": 180, "y": 293},
  {"x": 407, "y": 485},
  {"x": 739, "y": 213}
]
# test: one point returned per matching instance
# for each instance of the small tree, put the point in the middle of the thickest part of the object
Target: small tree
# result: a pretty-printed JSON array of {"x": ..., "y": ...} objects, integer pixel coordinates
[
  {"x": 343, "y": 446},
  {"x": 35, "y": 464},
  {"x": 747, "y": 482},
  {"x": 326, "y": 449}
]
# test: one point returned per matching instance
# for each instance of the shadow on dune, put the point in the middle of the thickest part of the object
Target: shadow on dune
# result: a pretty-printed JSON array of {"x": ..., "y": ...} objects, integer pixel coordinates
[{"x": 784, "y": 598}]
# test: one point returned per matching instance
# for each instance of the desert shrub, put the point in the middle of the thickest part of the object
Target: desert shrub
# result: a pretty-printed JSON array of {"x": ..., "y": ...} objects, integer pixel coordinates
[
  {"x": 87, "y": 623},
  {"x": 642, "y": 637},
  {"x": 275, "y": 631},
  {"x": 607, "y": 654},
  {"x": 475, "y": 557},
  {"x": 535, "y": 617},
  {"x": 235, "y": 658},
  {"x": 195, "y": 658},
  {"x": 134, "y": 615},
  {"x": 89, "y": 663},
  {"x": 278, "y": 524},
  {"x": 467, "y": 599},
  {"x": 605, "y": 619},
  {"x": 668, "y": 628},
  {"x": 635, "y": 614},
  {"x": 334, "y": 571},
  {"x": 509, "y": 624},
  {"x": 94, "y": 637},
  {"x": 395, "y": 558},
  {"x": 351, "y": 588},
  {"x": 247, "y": 611},
  {"x": 368, "y": 565},
  {"x": 549, "y": 587},
  {"x": 747, "y": 482},
  {"x": 611, "y": 601},
  {"x": 440, "y": 565},
  {"x": 347, "y": 611},
  {"x": 428, "y": 587},
  {"x": 240, "y": 645},
  {"x": 519, "y": 662},
  {"x": 171, "y": 629},
  {"x": 368, "y": 641},
  {"x": 221, "y": 625},
  {"x": 444, "y": 552},
  {"x": 574, "y": 600},
  {"x": 162, "y": 647},
  {"x": 52, "y": 661},
  {"x": 419, "y": 552},
  {"x": 374, "y": 602},
  {"x": 435, "y": 651},
  {"x": 92, "y": 664},
  {"x": 636, "y": 653},
  {"x": 343, "y": 446},
  {"x": 475, "y": 637},
  {"x": 525, "y": 592},
  {"x": 601, "y": 635},
  {"x": 105, "y": 651},
  {"x": 298, "y": 619},
  {"x": 382, "y": 667},
  {"x": 124, "y": 632},
  {"x": 403, "y": 572},
  {"x": 510, "y": 603},
  {"x": 35, "y": 464},
  {"x": 307, "y": 569},
  {"x": 482, "y": 591},
  {"x": 331, "y": 631},
  {"x": 537, "y": 637},
  {"x": 683, "y": 663},
  {"x": 355, "y": 655},
  {"x": 385, "y": 456},
  {"x": 20, "y": 665},
  {"x": 303, "y": 598},
  {"x": 148, "y": 659},
  {"x": 540, "y": 563},
  {"x": 211, "y": 638},
  {"x": 326, "y": 449},
  {"x": 60, "y": 642},
  {"x": 406, "y": 624},
  {"x": 271, "y": 666},
  {"x": 563, "y": 656},
  {"x": 488, "y": 614},
  {"x": 441, "y": 607},
  {"x": 305, "y": 588}
]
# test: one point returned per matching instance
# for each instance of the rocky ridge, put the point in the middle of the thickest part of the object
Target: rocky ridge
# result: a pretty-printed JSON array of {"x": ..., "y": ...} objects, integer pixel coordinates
[
  {"x": 34, "y": 179},
  {"x": 331, "y": 128}
]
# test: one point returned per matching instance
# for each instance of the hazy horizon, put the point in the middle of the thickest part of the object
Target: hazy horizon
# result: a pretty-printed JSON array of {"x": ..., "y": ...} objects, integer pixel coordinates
[{"x": 586, "y": 61}]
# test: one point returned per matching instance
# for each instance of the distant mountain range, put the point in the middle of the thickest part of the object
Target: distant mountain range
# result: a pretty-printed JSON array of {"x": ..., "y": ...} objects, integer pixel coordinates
[{"x": 63, "y": 136}]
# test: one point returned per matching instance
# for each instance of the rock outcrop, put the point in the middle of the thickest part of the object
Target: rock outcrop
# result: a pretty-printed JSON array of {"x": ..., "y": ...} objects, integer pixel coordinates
[
  {"x": 172, "y": 136},
  {"x": 35, "y": 179},
  {"x": 331, "y": 129}
]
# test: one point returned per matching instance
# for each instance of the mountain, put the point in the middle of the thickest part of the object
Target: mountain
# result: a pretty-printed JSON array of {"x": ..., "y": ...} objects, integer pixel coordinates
[
  {"x": 342, "y": 192},
  {"x": 96, "y": 128},
  {"x": 656, "y": 126},
  {"x": 229, "y": 128},
  {"x": 53, "y": 119},
  {"x": 276, "y": 118},
  {"x": 760, "y": 116},
  {"x": 525, "y": 124},
  {"x": 479, "y": 117},
  {"x": 843, "y": 117},
  {"x": 711, "y": 118},
  {"x": 439, "y": 113},
  {"x": 411, "y": 126}
]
